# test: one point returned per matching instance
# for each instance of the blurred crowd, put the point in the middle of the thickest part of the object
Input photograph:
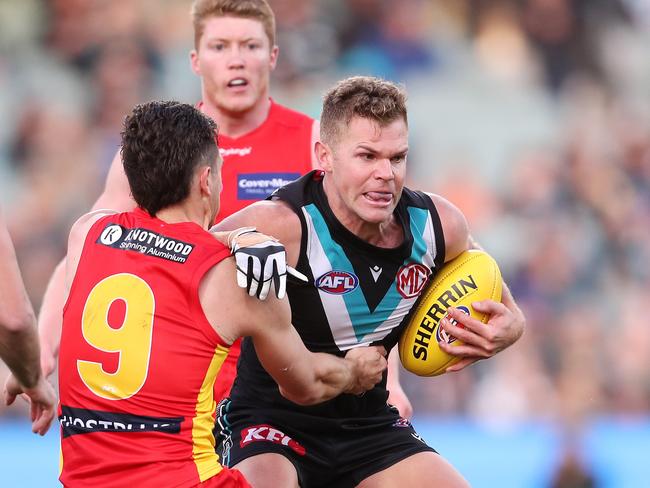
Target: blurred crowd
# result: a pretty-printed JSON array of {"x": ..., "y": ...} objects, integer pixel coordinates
[{"x": 533, "y": 116}]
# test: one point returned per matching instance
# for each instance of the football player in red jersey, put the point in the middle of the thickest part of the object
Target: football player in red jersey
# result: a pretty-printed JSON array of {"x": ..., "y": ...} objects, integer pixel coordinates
[
  {"x": 151, "y": 313},
  {"x": 19, "y": 341},
  {"x": 264, "y": 145}
]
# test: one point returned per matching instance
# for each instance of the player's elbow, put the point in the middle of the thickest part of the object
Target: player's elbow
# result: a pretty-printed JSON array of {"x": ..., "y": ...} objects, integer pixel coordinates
[
  {"x": 19, "y": 322},
  {"x": 304, "y": 396}
]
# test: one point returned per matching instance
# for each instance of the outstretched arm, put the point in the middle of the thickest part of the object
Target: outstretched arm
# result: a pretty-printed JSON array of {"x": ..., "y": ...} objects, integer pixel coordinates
[{"x": 19, "y": 341}]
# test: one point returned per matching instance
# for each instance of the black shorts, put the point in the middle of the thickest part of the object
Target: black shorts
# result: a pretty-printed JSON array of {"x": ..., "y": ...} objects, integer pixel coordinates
[{"x": 325, "y": 452}]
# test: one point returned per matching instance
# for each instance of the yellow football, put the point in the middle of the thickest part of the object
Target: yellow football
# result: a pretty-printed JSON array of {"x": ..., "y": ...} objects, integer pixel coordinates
[{"x": 470, "y": 277}]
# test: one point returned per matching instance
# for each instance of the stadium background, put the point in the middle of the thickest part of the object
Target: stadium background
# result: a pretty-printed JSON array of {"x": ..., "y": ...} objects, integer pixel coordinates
[{"x": 533, "y": 116}]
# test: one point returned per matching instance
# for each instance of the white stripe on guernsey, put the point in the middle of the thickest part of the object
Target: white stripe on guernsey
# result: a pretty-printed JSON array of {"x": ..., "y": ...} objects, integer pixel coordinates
[
  {"x": 334, "y": 305},
  {"x": 429, "y": 237}
]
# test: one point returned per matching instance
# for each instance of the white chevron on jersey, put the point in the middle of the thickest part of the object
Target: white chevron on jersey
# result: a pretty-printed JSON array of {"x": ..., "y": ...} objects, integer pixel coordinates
[{"x": 391, "y": 310}]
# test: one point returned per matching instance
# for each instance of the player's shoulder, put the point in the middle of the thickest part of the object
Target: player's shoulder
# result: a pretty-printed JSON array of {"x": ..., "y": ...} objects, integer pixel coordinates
[
  {"x": 444, "y": 206},
  {"x": 265, "y": 215},
  {"x": 79, "y": 233},
  {"x": 86, "y": 221},
  {"x": 454, "y": 225},
  {"x": 270, "y": 211},
  {"x": 288, "y": 116}
]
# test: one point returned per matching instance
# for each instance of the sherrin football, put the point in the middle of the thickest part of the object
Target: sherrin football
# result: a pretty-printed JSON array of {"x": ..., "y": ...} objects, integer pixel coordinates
[{"x": 470, "y": 277}]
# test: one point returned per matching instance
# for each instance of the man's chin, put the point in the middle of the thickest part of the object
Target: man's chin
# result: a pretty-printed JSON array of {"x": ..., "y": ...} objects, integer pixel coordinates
[
  {"x": 236, "y": 106},
  {"x": 376, "y": 216}
]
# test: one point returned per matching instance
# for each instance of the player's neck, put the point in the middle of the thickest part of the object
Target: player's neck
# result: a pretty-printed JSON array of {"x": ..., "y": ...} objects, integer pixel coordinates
[
  {"x": 177, "y": 214},
  {"x": 237, "y": 124}
]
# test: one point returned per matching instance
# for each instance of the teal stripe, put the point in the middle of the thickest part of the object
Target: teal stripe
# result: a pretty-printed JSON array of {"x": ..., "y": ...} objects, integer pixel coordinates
[
  {"x": 418, "y": 218},
  {"x": 363, "y": 320}
]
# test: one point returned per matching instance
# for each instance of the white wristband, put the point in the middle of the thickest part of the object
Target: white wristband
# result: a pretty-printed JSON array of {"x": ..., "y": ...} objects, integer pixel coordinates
[{"x": 238, "y": 232}]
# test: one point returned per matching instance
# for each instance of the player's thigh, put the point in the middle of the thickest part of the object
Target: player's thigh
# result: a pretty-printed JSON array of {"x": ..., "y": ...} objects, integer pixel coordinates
[
  {"x": 422, "y": 470},
  {"x": 269, "y": 470}
]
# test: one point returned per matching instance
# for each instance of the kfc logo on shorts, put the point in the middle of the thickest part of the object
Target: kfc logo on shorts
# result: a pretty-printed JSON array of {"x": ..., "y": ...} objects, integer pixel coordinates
[
  {"x": 411, "y": 279},
  {"x": 268, "y": 433}
]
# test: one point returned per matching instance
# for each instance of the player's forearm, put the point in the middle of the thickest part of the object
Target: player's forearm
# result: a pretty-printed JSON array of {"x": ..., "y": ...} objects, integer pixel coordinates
[
  {"x": 330, "y": 376},
  {"x": 50, "y": 319},
  {"x": 19, "y": 349},
  {"x": 519, "y": 322}
]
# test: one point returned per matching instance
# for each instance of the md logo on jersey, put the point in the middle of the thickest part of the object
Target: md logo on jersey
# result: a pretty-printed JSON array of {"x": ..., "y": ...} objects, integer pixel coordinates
[
  {"x": 258, "y": 186},
  {"x": 411, "y": 279},
  {"x": 337, "y": 282}
]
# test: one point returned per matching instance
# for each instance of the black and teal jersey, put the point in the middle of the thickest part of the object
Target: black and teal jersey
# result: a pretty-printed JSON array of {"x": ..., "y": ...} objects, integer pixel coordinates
[{"x": 357, "y": 294}]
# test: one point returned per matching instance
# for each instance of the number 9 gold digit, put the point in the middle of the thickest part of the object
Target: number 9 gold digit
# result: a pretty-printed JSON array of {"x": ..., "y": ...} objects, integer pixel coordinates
[{"x": 132, "y": 340}]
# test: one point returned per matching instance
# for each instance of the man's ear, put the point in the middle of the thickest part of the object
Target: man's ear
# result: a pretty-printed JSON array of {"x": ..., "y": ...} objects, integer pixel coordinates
[
  {"x": 275, "y": 52},
  {"x": 323, "y": 155},
  {"x": 206, "y": 183},
  {"x": 194, "y": 62}
]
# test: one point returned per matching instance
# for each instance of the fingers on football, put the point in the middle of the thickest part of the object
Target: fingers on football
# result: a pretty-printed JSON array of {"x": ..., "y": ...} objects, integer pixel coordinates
[
  {"x": 476, "y": 342},
  {"x": 489, "y": 307},
  {"x": 467, "y": 321}
]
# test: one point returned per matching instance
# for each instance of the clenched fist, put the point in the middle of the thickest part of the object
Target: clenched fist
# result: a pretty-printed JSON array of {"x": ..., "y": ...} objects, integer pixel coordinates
[{"x": 369, "y": 364}]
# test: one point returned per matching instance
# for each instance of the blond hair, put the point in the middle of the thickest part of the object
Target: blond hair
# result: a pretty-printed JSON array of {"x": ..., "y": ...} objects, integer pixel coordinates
[{"x": 247, "y": 9}]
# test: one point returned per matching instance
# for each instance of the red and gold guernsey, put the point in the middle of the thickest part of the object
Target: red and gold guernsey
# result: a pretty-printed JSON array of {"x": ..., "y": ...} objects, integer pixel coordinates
[
  {"x": 138, "y": 357},
  {"x": 254, "y": 166}
]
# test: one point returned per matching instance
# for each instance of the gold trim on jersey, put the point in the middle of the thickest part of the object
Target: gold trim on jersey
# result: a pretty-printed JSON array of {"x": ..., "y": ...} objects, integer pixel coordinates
[{"x": 205, "y": 457}]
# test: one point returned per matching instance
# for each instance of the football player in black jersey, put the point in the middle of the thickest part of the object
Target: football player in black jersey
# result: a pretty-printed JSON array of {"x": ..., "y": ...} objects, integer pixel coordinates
[{"x": 367, "y": 245}]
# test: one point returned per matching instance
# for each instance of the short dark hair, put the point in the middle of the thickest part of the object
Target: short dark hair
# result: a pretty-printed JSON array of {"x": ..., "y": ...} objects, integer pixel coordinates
[
  {"x": 361, "y": 96},
  {"x": 163, "y": 142}
]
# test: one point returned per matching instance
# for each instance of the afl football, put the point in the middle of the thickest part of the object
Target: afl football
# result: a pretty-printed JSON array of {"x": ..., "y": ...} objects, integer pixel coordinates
[{"x": 470, "y": 277}]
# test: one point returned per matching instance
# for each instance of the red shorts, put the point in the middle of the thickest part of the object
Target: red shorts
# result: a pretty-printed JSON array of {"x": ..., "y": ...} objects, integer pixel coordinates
[
  {"x": 227, "y": 373},
  {"x": 227, "y": 478}
]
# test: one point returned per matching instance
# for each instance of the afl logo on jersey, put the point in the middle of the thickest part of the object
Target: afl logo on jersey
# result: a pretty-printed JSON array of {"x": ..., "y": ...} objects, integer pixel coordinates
[
  {"x": 411, "y": 279},
  {"x": 337, "y": 282}
]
